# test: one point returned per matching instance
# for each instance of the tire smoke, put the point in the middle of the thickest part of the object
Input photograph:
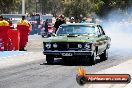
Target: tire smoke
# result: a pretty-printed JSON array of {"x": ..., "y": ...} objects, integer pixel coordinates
[{"x": 119, "y": 27}]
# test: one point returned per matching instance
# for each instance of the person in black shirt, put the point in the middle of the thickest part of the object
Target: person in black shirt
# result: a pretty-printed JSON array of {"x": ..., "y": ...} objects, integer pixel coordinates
[
  {"x": 59, "y": 21},
  {"x": 46, "y": 26}
]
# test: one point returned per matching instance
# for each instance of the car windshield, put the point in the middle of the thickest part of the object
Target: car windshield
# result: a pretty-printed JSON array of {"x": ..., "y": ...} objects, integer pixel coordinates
[{"x": 76, "y": 29}]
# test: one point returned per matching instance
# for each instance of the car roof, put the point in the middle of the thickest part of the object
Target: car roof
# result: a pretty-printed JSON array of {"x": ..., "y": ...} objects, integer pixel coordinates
[{"x": 83, "y": 24}]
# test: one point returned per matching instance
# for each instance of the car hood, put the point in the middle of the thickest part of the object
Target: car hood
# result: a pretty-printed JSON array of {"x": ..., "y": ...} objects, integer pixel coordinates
[{"x": 84, "y": 38}]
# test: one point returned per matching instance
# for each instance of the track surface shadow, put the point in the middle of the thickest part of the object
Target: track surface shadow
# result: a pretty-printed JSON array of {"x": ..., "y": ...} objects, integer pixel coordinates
[{"x": 70, "y": 63}]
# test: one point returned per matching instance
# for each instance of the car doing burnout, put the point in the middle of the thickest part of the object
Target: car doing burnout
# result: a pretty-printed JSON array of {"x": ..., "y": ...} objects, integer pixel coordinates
[{"x": 84, "y": 41}]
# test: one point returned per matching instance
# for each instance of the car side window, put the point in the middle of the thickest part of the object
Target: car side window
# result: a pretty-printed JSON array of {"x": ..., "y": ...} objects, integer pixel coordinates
[
  {"x": 101, "y": 30},
  {"x": 97, "y": 31}
]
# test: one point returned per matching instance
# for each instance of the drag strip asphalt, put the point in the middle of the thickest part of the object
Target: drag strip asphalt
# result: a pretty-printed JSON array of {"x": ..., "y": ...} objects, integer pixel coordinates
[{"x": 37, "y": 74}]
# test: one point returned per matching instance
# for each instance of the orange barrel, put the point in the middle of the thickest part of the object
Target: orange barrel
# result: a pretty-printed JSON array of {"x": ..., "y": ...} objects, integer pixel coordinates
[
  {"x": 14, "y": 37},
  {"x": 4, "y": 36}
]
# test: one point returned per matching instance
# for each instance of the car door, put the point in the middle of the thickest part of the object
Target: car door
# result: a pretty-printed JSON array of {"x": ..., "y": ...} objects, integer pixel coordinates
[
  {"x": 103, "y": 39},
  {"x": 99, "y": 42}
]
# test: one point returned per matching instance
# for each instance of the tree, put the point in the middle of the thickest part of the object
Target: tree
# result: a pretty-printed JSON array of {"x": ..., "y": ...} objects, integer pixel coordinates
[
  {"x": 7, "y": 6},
  {"x": 79, "y": 8},
  {"x": 51, "y": 6},
  {"x": 57, "y": 7},
  {"x": 76, "y": 8},
  {"x": 110, "y": 5},
  {"x": 31, "y": 6}
]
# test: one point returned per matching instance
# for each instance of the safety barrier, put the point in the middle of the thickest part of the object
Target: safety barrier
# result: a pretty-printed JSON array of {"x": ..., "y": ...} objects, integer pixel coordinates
[
  {"x": 9, "y": 39},
  {"x": 14, "y": 36},
  {"x": 1, "y": 45},
  {"x": 24, "y": 31},
  {"x": 4, "y": 36}
]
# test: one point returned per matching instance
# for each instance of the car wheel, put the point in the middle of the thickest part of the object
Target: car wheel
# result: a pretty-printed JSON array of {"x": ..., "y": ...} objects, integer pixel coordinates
[
  {"x": 104, "y": 56},
  {"x": 42, "y": 36},
  {"x": 85, "y": 61},
  {"x": 92, "y": 59},
  {"x": 49, "y": 59},
  {"x": 48, "y": 35}
]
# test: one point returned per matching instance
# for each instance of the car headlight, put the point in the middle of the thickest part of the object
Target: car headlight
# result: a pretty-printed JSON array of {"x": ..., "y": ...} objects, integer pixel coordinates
[
  {"x": 55, "y": 45},
  {"x": 79, "y": 46},
  {"x": 48, "y": 45},
  {"x": 87, "y": 46}
]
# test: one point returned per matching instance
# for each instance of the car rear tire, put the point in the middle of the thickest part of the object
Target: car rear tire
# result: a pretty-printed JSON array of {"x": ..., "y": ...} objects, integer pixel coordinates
[
  {"x": 49, "y": 59},
  {"x": 42, "y": 36},
  {"x": 85, "y": 61},
  {"x": 92, "y": 59},
  {"x": 104, "y": 55}
]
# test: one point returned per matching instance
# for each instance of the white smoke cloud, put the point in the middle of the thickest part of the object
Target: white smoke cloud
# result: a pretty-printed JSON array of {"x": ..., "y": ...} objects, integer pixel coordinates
[{"x": 119, "y": 27}]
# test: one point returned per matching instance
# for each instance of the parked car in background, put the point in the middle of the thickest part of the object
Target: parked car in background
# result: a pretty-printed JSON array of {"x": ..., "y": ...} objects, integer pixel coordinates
[
  {"x": 50, "y": 30},
  {"x": 37, "y": 20}
]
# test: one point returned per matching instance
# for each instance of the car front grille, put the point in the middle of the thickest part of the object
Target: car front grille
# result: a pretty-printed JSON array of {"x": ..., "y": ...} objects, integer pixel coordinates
[
  {"x": 62, "y": 46},
  {"x": 73, "y": 46},
  {"x": 67, "y": 46}
]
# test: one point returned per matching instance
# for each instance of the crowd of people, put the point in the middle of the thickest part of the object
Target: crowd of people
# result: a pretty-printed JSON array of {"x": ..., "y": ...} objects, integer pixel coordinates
[
  {"x": 24, "y": 27},
  {"x": 63, "y": 20}
]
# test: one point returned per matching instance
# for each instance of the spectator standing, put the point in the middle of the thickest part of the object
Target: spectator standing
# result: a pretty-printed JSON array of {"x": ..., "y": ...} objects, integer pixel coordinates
[
  {"x": 46, "y": 26},
  {"x": 24, "y": 28},
  {"x": 59, "y": 21}
]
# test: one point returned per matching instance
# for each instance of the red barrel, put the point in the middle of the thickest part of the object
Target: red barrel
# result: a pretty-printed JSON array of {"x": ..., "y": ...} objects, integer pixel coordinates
[
  {"x": 4, "y": 36},
  {"x": 23, "y": 30},
  {"x": 14, "y": 37},
  {"x": 1, "y": 45}
]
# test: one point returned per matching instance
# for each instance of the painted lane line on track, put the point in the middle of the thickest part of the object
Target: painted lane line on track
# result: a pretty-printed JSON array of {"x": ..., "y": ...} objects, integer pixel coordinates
[{"x": 7, "y": 54}]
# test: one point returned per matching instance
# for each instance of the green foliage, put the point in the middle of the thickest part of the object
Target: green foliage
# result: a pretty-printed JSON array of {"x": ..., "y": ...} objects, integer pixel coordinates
[
  {"x": 30, "y": 6},
  {"x": 109, "y": 5},
  {"x": 100, "y": 7},
  {"x": 54, "y": 7},
  {"x": 76, "y": 8},
  {"x": 81, "y": 8},
  {"x": 13, "y": 6},
  {"x": 7, "y": 5}
]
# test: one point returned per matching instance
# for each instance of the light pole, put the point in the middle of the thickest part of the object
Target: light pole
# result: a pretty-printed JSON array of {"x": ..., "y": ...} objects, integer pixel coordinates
[
  {"x": 37, "y": 5},
  {"x": 23, "y": 6}
]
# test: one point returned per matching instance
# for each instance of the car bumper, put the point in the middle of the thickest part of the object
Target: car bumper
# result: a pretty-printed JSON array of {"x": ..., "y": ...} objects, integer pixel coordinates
[{"x": 68, "y": 53}]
